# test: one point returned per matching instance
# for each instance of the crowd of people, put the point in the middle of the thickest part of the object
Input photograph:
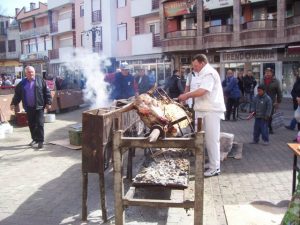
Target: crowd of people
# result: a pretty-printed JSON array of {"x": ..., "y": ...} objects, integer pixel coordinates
[{"x": 9, "y": 81}]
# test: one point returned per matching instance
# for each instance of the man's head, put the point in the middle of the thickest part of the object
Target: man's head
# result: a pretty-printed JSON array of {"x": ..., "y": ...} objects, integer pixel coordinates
[
  {"x": 268, "y": 73},
  {"x": 229, "y": 73},
  {"x": 29, "y": 72},
  {"x": 261, "y": 90},
  {"x": 249, "y": 73},
  {"x": 124, "y": 68},
  {"x": 199, "y": 61},
  {"x": 141, "y": 72}
]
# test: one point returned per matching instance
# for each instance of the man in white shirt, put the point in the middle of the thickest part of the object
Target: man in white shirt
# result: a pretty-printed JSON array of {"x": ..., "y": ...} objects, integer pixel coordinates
[{"x": 206, "y": 89}]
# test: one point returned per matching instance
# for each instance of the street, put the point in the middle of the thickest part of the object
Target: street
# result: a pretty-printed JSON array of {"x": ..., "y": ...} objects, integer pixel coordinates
[{"x": 43, "y": 187}]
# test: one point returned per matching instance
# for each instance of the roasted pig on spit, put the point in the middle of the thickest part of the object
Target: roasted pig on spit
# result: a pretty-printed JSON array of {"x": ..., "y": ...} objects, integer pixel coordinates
[{"x": 157, "y": 109}]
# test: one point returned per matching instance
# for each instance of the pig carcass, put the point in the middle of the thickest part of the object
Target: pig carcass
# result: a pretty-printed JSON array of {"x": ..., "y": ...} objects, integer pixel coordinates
[{"x": 163, "y": 111}]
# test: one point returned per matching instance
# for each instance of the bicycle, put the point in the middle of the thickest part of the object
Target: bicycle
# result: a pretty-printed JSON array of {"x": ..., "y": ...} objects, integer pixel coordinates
[{"x": 244, "y": 110}]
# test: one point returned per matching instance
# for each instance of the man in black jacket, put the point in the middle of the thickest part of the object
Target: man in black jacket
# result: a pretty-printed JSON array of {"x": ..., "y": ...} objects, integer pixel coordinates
[{"x": 35, "y": 97}]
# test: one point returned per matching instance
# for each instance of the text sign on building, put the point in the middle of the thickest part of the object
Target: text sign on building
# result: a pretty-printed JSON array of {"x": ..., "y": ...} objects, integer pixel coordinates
[
  {"x": 179, "y": 7},
  {"x": 216, "y": 4},
  {"x": 249, "y": 56}
]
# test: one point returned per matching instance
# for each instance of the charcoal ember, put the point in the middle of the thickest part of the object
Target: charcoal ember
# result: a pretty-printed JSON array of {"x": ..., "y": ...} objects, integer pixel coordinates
[{"x": 167, "y": 169}]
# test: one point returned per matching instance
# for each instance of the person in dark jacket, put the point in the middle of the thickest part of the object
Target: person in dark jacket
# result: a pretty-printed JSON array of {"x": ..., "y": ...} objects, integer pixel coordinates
[
  {"x": 249, "y": 85},
  {"x": 232, "y": 93},
  {"x": 273, "y": 89},
  {"x": 123, "y": 85},
  {"x": 142, "y": 81},
  {"x": 174, "y": 85},
  {"x": 262, "y": 113},
  {"x": 295, "y": 93},
  {"x": 35, "y": 97}
]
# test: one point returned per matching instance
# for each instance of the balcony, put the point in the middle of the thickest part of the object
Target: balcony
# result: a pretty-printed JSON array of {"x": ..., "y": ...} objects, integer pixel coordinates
[
  {"x": 59, "y": 55},
  {"x": 35, "y": 56},
  {"x": 143, "y": 44},
  {"x": 145, "y": 7},
  {"x": 218, "y": 36},
  {"x": 156, "y": 40},
  {"x": 258, "y": 32},
  {"x": 96, "y": 16},
  {"x": 181, "y": 33},
  {"x": 12, "y": 55},
  {"x": 98, "y": 47},
  {"x": 259, "y": 24},
  {"x": 293, "y": 29},
  {"x": 38, "y": 31},
  {"x": 58, "y": 3},
  {"x": 218, "y": 29}
]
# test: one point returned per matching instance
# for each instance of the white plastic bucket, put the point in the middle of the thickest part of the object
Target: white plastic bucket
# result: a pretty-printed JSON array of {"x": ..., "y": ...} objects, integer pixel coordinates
[{"x": 49, "y": 118}]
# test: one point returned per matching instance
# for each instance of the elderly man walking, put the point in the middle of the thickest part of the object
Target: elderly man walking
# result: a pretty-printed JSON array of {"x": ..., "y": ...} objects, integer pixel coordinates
[{"x": 35, "y": 97}]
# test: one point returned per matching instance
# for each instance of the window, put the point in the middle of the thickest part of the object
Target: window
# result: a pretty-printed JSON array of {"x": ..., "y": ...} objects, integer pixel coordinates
[
  {"x": 122, "y": 32},
  {"x": 154, "y": 28},
  {"x": 81, "y": 10},
  {"x": 81, "y": 39},
  {"x": 11, "y": 45},
  {"x": 2, "y": 47},
  {"x": 121, "y": 3}
]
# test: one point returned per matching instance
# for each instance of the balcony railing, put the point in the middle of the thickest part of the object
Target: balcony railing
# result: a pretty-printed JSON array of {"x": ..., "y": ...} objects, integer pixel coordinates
[
  {"x": 54, "y": 54},
  {"x": 155, "y": 4},
  {"x": 294, "y": 20},
  {"x": 156, "y": 40},
  {"x": 38, "y": 31},
  {"x": 98, "y": 47},
  {"x": 259, "y": 24},
  {"x": 54, "y": 27},
  {"x": 96, "y": 16},
  {"x": 182, "y": 33},
  {"x": 218, "y": 29},
  {"x": 3, "y": 55}
]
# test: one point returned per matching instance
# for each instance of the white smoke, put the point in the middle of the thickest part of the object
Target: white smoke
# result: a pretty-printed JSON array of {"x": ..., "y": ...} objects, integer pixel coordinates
[{"x": 90, "y": 64}]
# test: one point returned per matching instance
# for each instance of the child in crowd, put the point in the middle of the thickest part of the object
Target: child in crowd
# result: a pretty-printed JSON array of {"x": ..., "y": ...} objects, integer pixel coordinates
[{"x": 262, "y": 113}]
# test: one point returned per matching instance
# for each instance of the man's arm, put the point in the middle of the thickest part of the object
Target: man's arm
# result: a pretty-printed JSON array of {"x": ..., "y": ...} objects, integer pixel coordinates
[{"x": 192, "y": 94}]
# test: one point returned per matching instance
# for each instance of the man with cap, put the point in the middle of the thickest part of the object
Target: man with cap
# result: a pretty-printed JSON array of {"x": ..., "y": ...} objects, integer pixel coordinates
[
  {"x": 123, "y": 83},
  {"x": 262, "y": 112}
]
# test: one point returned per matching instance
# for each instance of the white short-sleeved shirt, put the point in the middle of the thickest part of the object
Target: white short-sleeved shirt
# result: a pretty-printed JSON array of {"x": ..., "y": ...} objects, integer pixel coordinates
[{"x": 213, "y": 101}]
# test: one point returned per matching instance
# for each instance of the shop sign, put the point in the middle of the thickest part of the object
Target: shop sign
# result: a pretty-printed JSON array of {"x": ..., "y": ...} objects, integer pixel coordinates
[
  {"x": 249, "y": 56},
  {"x": 216, "y": 4},
  {"x": 179, "y": 7}
]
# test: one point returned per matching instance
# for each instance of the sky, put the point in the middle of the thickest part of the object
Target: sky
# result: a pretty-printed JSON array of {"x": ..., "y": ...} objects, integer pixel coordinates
[{"x": 7, "y": 7}]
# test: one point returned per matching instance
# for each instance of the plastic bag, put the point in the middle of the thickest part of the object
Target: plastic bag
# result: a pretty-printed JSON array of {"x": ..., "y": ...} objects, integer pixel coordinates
[{"x": 297, "y": 114}]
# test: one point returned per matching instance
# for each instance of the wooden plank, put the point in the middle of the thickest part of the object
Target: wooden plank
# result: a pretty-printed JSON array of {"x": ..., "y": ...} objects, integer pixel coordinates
[
  {"x": 157, "y": 203},
  {"x": 295, "y": 148},
  {"x": 143, "y": 142}
]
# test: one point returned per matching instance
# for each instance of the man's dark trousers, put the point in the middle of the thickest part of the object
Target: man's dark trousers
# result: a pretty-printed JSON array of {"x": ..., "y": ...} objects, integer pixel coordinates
[{"x": 36, "y": 123}]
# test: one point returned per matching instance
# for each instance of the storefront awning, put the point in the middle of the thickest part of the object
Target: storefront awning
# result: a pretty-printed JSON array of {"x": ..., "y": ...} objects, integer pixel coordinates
[
  {"x": 252, "y": 49},
  {"x": 293, "y": 49}
]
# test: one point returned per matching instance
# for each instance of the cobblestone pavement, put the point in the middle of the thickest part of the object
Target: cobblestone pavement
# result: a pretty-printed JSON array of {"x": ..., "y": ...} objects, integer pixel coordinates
[{"x": 43, "y": 187}]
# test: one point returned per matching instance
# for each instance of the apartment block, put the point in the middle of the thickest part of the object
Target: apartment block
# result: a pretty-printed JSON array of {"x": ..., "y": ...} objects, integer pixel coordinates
[{"x": 34, "y": 37}]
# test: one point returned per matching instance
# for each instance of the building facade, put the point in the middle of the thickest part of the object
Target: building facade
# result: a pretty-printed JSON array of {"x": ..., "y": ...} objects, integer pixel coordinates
[
  {"x": 238, "y": 34},
  {"x": 66, "y": 26},
  {"x": 34, "y": 37},
  {"x": 9, "y": 47}
]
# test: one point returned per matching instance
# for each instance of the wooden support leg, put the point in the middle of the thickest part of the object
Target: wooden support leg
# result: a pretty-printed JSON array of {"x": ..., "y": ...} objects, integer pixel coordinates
[
  {"x": 199, "y": 181},
  {"x": 102, "y": 195},
  {"x": 84, "y": 195},
  {"x": 129, "y": 163},
  {"x": 118, "y": 182}
]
